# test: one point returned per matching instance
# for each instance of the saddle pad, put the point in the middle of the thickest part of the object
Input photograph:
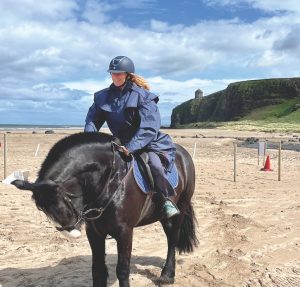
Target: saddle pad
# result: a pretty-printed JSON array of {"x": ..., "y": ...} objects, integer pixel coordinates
[{"x": 143, "y": 184}]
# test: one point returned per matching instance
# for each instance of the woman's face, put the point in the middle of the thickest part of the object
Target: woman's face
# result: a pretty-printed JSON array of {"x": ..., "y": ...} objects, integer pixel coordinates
[{"x": 118, "y": 78}]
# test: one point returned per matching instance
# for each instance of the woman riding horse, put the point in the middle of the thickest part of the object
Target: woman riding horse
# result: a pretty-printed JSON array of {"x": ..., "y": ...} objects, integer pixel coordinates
[
  {"x": 132, "y": 115},
  {"x": 84, "y": 179}
]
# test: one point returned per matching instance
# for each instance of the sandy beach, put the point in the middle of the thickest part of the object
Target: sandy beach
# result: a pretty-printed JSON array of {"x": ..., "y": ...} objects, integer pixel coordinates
[{"x": 249, "y": 230}]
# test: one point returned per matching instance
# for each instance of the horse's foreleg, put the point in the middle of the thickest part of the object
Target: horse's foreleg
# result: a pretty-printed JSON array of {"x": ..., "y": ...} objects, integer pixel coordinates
[
  {"x": 124, "y": 243},
  {"x": 99, "y": 269}
]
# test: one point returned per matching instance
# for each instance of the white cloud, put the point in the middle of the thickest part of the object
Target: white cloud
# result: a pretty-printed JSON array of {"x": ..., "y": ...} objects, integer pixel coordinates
[
  {"x": 89, "y": 85},
  {"x": 133, "y": 4},
  {"x": 159, "y": 26},
  {"x": 269, "y": 59},
  {"x": 276, "y": 5},
  {"x": 46, "y": 10},
  {"x": 267, "y": 5},
  {"x": 95, "y": 13},
  {"x": 290, "y": 43},
  {"x": 169, "y": 90},
  {"x": 41, "y": 92},
  {"x": 180, "y": 91},
  {"x": 60, "y": 50},
  {"x": 71, "y": 48}
]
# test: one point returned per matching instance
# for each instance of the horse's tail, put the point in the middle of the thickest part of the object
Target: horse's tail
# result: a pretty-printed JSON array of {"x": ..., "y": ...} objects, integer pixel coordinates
[{"x": 187, "y": 235}]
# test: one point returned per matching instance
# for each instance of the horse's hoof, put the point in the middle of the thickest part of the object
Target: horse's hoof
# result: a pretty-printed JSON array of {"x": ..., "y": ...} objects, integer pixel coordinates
[{"x": 164, "y": 280}]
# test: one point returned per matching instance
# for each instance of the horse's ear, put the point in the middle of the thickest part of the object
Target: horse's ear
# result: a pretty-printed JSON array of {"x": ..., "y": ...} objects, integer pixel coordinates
[
  {"x": 116, "y": 141},
  {"x": 25, "y": 185},
  {"x": 117, "y": 146}
]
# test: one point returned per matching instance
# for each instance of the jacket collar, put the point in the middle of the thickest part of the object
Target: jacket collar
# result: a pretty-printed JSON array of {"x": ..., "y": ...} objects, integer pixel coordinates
[{"x": 128, "y": 86}]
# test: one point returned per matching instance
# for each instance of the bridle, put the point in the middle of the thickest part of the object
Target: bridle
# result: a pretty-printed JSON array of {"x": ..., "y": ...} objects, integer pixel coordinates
[{"x": 84, "y": 214}]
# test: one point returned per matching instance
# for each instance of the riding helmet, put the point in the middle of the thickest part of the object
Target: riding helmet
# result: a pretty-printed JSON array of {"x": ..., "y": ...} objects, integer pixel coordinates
[{"x": 121, "y": 64}]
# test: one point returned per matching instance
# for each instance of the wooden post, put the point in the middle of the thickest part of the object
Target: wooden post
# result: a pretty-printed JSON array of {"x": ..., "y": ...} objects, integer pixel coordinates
[
  {"x": 279, "y": 162},
  {"x": 37, "y": 150},
  {"x": 234, "y": 161},
  {"x": 5, "y": 155}
]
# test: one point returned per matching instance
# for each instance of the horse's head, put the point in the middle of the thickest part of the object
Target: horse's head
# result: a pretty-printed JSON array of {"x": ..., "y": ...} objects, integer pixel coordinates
[
  {"x": 60, "y": 206},
  {"x": 82, "y": 170}
]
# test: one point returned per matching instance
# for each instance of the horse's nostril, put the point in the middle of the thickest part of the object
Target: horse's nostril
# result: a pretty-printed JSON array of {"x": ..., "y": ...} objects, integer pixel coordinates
[
  {"x": 66, "y": 228},
  {"x": 59, "y": 228}
]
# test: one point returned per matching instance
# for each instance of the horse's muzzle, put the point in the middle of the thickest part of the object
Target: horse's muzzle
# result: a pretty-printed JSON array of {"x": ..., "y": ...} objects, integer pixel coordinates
[{"x": 73, "y": 234}]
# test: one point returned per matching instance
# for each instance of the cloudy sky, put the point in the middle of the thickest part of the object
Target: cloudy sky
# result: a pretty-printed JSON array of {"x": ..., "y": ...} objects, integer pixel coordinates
[{"x": 54, "y": 54}]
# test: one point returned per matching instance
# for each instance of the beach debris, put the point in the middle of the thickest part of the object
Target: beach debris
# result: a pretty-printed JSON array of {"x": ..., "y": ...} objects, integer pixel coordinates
[
  {"x": 251, "y": 140},
  {"x": 18, "y": 174},
  {"x": 49, "y": 132}
]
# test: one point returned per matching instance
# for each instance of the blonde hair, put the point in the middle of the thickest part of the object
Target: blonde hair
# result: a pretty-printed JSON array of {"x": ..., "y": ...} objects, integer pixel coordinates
[{"x": 139, "y": 81}]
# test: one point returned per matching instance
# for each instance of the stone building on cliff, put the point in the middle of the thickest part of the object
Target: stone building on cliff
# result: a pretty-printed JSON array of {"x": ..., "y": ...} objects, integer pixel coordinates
[{"x": 198, "y": 94}]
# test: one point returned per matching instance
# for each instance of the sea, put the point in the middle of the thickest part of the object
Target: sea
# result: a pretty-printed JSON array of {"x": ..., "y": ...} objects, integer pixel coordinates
[{"x": 5, "y": 127}]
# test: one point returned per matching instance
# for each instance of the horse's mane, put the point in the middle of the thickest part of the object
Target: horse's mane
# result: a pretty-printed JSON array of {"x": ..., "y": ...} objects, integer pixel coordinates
[{"x": 69, "y": 142}]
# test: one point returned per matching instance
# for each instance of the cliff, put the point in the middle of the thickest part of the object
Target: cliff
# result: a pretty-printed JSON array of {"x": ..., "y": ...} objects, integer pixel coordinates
[{"x": 238, "y": 100}]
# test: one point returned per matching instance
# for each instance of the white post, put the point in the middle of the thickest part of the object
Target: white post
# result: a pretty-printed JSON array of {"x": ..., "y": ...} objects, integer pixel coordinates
[
  {"x": 265, "y": 152},
  {"x": 5, "y": 155},
  {"x": 194, "y": 152},
  {"x": 279, "y": 162},
  {"x": 261, "y": 149},
  {"x": 234, "y": 161},
  {"x": 37, "y": 150}
]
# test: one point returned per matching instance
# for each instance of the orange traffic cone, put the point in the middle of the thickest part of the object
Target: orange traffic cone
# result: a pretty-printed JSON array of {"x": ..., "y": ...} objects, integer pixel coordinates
[{"x": 267, "y": 166}]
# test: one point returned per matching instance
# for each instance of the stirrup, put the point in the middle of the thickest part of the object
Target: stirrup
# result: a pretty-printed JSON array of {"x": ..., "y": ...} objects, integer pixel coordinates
[{"x": 170, "y": 209}]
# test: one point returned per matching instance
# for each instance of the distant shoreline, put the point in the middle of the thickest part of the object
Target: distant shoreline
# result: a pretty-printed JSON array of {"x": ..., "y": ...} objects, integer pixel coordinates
[{"x": 4, "y": 127}]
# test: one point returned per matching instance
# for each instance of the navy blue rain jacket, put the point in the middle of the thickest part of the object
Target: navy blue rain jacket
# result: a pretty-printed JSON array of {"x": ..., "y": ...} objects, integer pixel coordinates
[{"x": 132, "y": 116}]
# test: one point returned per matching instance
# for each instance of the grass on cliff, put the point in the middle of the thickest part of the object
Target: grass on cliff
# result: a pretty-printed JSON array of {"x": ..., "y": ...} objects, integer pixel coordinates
[
  {"x": 289, "y": 111},
  {"x": 284, "y": 117}
]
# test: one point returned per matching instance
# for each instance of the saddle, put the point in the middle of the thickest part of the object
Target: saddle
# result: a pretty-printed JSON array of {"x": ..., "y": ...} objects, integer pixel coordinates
[
  {"x": 142, "y": 160},
  {"x": 144, "y": 177},
  {"x": 142, "y": 172}
]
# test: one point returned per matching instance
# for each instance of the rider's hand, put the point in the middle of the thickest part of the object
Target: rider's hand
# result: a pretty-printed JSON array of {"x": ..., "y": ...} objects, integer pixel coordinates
[{"x": 125, "y": 150}]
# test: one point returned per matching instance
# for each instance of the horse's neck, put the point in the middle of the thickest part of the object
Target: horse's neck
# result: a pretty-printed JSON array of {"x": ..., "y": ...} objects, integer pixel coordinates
[{"x": 113, "y": 182}]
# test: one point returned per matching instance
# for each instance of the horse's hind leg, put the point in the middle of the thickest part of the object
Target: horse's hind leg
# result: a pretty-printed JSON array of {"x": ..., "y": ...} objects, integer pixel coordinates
[
  {"x": 181, "y": 234},
  {"x": 171, "y": 227}
]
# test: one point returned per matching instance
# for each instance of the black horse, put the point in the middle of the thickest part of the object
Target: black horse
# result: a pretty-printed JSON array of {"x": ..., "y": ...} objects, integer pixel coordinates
[{"x": 84, "y": 178}]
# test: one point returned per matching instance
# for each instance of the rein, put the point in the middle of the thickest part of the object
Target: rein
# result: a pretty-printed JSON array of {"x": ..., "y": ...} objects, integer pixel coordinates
[{"x": 83, "y": 214}]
